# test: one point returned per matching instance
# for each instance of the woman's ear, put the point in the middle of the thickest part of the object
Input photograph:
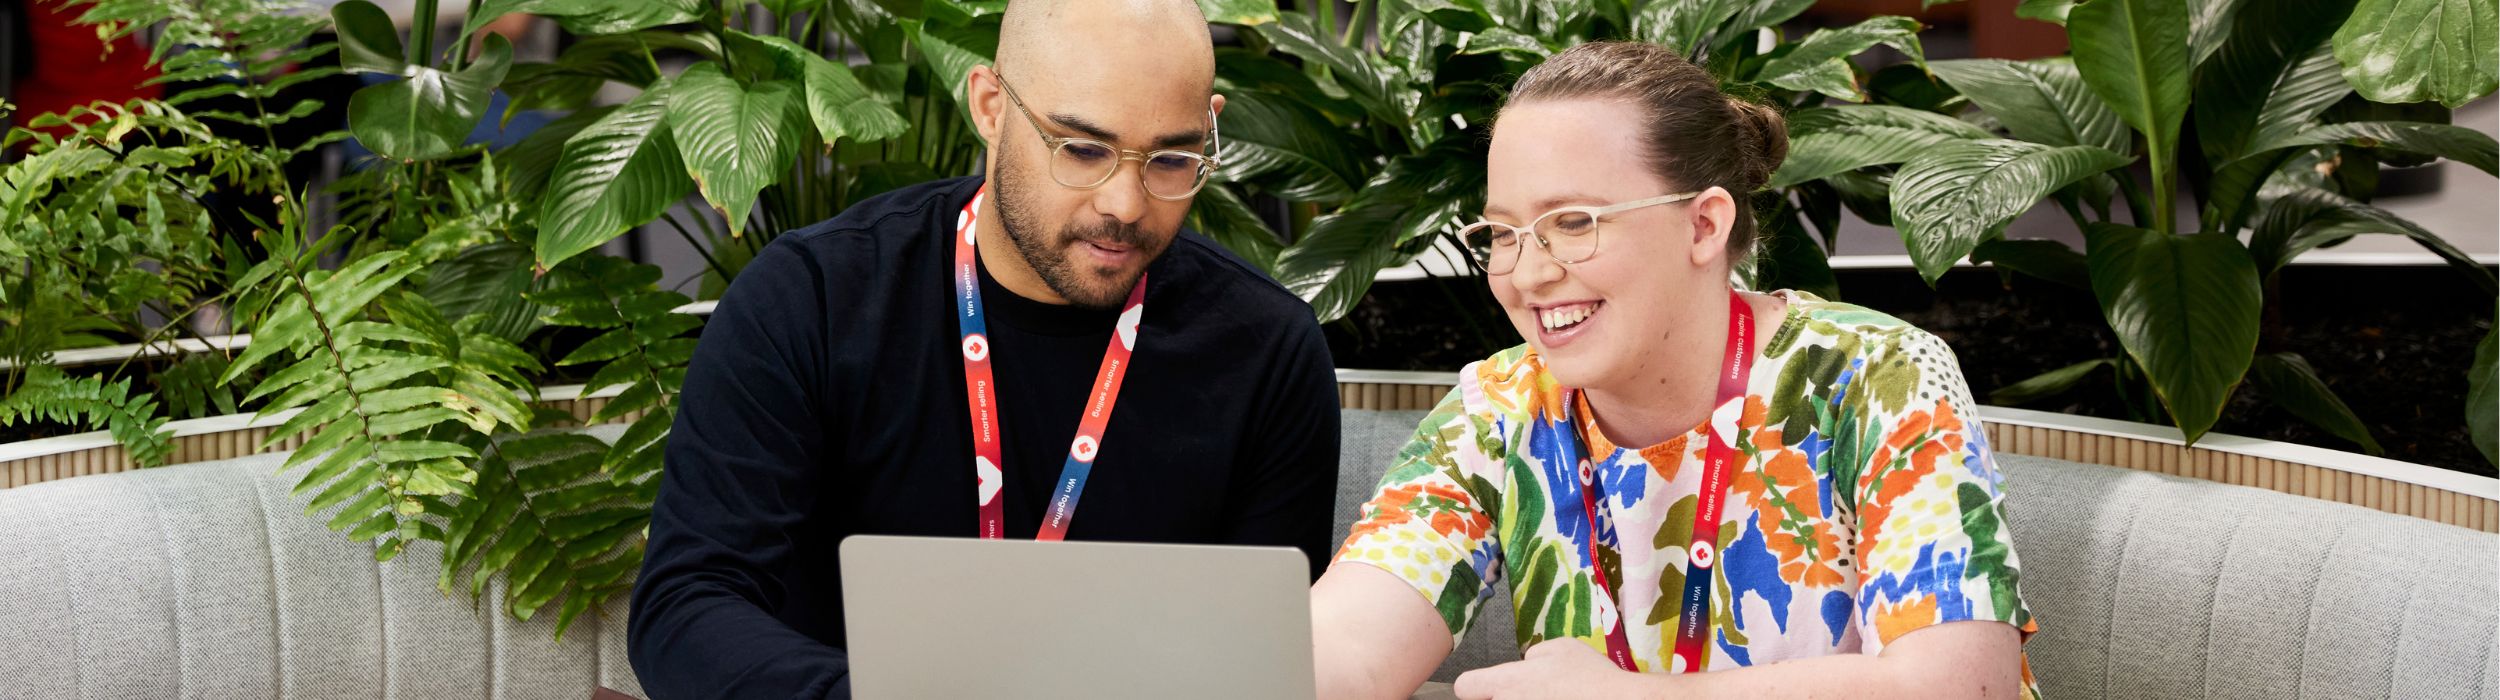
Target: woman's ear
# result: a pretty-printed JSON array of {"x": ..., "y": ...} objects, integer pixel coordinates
[{"x": 1713, "y": 216}]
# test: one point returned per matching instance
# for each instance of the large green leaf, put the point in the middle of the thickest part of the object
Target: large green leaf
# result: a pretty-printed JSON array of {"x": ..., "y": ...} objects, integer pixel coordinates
[
  {"x": 533, "y": 160},
  {"x": 734, "y": 139},
  {"x": 1826, "y": 141},
  {"x": 953, "y": 53},
  {"x": 2185, "y": 307},
  {"x": 1292, "y": 151},
  {"x": 1790, "y": 259},
  {"x": 368, "y": 42},
  {"x": 2304, "y": 218},
  {"x": 2270, "y": 79},
  {"x": 1239, "y": 70},
  {"x": 592, "y": 17},
  {"x": 1821, "y": 64},
  {"x": 1222, "y": 216},
  {"x": 1686, "y": 26},
  {"x": 2041, "y": 101},
  {"x": 2045, "y": 259},
  {"x": 2416, "y": 50},
  {"x": 2288, "y": 379},
  {"x": 1765, "y": 13},
  {"x": 2482, "y": 398},
  {"x": 1334, "y": 264},
  {"x": 842, "y": 108},
  {"x": 2047, "y": 384},
  {"x": 2051, "y": 11},
  {"x": 1956, "y": 195},
  {"x": 490, "y": 281},
  {"x": 2210, "y": 21},
  {"x": 1242, "y": 12},
  {"x": 2448, "y": 141},
  {"x": 619, "y": 172},
  {"x": 2134, "y": 54},
  {"x": 428, "y": 112},
  {"x": 1370, "y": 85}
]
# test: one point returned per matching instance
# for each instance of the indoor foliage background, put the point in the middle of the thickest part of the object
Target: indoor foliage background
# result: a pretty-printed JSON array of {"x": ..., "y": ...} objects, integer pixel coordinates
[{"x": 413, "y": 308}]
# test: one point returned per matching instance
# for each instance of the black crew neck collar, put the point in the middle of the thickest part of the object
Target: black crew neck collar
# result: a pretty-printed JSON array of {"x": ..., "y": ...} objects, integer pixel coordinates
[{"x": 1039, "y": 317}]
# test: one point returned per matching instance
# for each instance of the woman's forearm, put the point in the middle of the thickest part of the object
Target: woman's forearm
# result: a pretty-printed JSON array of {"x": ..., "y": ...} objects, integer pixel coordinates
[{"x": 1950, "y": 661}]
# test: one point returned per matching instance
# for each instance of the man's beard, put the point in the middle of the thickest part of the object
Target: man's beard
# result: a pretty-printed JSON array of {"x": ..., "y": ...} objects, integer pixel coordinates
[{"x": 1092, "y": 287}]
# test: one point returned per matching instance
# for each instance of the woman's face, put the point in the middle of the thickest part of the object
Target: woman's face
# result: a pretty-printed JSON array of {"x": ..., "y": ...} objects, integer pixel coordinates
[{"x": 1599, "y": 323}]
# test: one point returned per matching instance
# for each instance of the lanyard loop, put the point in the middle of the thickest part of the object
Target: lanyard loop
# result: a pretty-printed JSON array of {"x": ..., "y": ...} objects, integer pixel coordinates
[
  {"x": 1702, "y": 551},
  {"x": 981, "y": 393}
]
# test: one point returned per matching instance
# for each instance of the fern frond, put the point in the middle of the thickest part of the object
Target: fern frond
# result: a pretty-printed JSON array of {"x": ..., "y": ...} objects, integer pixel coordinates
[
  {"x": 49, "y": 394},
  {"x": 544, "y": 516},
  {"x": 643, "y": 346}
]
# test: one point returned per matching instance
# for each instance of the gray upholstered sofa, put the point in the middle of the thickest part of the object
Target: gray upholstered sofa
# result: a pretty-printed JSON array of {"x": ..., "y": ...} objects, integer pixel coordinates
[{"x": 205, "y": 580}]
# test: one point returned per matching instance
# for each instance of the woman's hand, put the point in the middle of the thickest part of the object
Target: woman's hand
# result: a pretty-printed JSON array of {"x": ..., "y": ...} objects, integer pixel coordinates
[{"x": 1566, "y": 669}]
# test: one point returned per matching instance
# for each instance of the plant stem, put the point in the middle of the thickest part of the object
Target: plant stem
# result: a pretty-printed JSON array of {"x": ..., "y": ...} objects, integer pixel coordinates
[
  {"x": 2165, "y": 205},
  {"x": 647, "y": 58},
  {"x": 2135, "y": 200},
  {"x": 1327, "y": 11},
  {"x": 2074, "y": 212},
  {"x": 1354, "y": 23},
  {"x": 421, "y": 36},
  {"x": 696, "y": 245},
  {"x": 468, "y": 41}
]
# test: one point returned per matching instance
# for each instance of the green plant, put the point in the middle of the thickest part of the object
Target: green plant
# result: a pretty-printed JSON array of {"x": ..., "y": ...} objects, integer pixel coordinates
[
  {"x": 48, "y": 394},
  {"x": 2243, "y": 103},
  {"x": 1417, "y": 83},
  {"x": 108, "y": 220}
]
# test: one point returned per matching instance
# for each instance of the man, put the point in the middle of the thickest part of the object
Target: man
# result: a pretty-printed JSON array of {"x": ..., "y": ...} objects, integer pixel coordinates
[{"x": 833, "y": 392}]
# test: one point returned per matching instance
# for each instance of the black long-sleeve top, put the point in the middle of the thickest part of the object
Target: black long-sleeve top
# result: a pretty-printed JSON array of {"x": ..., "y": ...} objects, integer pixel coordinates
[{"x": 826, "y": 399}]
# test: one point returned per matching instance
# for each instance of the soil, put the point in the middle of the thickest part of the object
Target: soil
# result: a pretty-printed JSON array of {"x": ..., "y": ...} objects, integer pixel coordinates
[{"x": 2393, "y": 342}]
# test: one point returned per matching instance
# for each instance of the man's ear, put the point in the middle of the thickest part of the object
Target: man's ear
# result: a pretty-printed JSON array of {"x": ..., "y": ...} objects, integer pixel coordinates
[
  {"x": 987, "y": 101},
  {"x": 1713, "y": 217},
  {"x": 1215, "y": 104}
]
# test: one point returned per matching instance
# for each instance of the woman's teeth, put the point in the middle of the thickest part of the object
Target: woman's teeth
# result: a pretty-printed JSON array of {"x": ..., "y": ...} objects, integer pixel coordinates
[{"x": 1558, "y": 319}]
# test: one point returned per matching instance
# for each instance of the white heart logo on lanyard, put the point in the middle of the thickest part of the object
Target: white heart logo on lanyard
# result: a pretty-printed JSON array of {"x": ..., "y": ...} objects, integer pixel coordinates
[
  {"x": 1083, "y": 449},
  {"x": 990, "y": 477},
  {"x": 1723, "y": 421},
  {"x": 1128, "y": 326},
  {"x": 976, "y": 347}
]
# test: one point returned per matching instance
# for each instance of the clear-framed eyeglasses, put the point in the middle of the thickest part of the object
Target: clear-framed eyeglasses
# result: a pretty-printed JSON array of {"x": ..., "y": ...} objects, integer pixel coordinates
[
  {"x": 1568, "y": 234},
  {"x": 1083, "y": 163}
]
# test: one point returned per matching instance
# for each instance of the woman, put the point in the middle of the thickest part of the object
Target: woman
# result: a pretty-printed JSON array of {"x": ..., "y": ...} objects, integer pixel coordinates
[{"x": 1858, "y": 547}]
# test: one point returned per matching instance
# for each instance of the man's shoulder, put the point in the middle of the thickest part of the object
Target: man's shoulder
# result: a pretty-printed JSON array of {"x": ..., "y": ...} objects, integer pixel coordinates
[
  {"x": 1225, "y": 279},
  {"x": 901, "y": 212}
]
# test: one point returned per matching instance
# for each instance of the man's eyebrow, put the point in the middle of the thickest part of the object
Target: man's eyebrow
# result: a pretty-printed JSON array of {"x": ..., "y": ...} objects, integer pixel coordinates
[{"x": 1099, "y": 133}]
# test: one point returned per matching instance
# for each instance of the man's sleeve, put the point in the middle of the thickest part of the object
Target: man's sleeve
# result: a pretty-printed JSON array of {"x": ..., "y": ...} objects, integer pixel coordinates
[
  {"x": 1285, "y": 492},
  {"x": 744, "y": 462}
]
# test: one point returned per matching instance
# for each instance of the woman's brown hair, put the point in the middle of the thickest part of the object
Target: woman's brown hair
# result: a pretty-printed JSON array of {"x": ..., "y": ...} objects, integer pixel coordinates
[{"x": 1698, "y": 137}]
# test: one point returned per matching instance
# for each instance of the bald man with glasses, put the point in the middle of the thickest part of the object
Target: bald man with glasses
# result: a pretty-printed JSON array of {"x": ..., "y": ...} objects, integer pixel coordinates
[{"x": 1037, "y": 352}]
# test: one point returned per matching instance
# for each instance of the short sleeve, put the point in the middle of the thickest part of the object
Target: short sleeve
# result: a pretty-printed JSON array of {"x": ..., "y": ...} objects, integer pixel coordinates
[
  {"x": 1431, "y": 523},
  {"x": 1932, "y": 539}
]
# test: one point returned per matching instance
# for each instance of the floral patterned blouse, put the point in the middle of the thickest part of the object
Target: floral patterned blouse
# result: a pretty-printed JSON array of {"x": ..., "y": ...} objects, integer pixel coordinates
[{"x": 1866, "y": 504}]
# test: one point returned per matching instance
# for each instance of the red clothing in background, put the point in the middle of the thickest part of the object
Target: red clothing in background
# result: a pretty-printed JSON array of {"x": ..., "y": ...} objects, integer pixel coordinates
[{"x": 71, "y": 66}]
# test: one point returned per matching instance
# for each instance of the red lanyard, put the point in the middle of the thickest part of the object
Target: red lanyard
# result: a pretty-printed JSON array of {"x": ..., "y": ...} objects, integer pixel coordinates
[
  {"x": 980, "y": 391},
  {"x": 1689, "y": 648}
]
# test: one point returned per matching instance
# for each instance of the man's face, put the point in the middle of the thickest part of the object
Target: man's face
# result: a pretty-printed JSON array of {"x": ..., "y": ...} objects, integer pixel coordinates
[{"x": 1090, "y": 245}]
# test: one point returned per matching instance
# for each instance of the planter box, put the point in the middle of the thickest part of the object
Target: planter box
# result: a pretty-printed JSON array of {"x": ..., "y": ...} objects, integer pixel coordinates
[{"x": 2387, "y": 485}]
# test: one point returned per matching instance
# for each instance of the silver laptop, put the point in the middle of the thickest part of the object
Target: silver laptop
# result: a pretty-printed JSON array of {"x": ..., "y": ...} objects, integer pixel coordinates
[{"x": 966, "y": 618}]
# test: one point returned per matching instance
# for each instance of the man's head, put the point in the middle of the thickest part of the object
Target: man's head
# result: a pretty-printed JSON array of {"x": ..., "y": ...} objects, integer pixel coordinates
[{"x": 1136, "y": 75}]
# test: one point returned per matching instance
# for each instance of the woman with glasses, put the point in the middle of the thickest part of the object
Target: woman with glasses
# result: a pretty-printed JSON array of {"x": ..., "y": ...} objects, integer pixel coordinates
[{"x": 1673, "y": 475}]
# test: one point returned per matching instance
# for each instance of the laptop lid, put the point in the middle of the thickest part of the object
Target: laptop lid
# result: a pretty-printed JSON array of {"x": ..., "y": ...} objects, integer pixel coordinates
[{"x": 970, "y": 618}]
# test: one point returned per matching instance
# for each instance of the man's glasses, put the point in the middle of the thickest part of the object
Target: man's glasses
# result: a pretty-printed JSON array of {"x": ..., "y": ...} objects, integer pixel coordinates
[
  {"x": 1084, "y": 164},
  {"x": 1569, "y": 234}
]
